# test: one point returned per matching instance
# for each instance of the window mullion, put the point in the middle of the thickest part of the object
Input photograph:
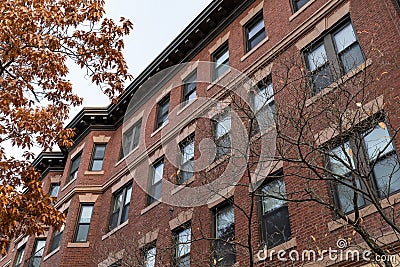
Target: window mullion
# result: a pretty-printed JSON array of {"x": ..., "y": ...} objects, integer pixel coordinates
[{"x": 333, "y": 60}]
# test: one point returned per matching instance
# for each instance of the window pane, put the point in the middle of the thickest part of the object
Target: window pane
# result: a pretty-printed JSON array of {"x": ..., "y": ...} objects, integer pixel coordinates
[
  {"x": 184, "y": 239},
  {"x": 125, "y": 213},
  {"x": 387, "y": 175},
  {"x": 341, "y": 161},
  {"x": 223, "y": 146},
  {"x": 317, "y": 57},
  {"x": 223, "y": 125},
  {"x": 256, "y": 27},
  {"x": 39, "y": 247},
  {"x": 117, "y": 202},
  {"x": 97, "y": 165},
  {"x": 54, "y": 188},
  {"x": 82, "y": 233},
  {"x": 223, "y": 57},
  {"x": 128, "y": 195},
  {"x": 136, "y": 135},
  {"x": 277, "y": 227},
  {"x": 20, "y": 255},
  {"x": 273, "y": 189},
  {"x": 158, "y": 172},
  {"x": 187, "y": 152},
  {"x": 226, "y": 223},
  {"x": 346, "y": 195},
  {"x": 322, "y": 78},
  {"x": 55, "y": 242},
  {"x": 351, "y": 58},
  {"x": 378, "y": 141},
  {"x": 184, "y": 261},
  {"x": 299, "y": 4},
  {"x": 86, "y": 214},
  {"x": 256, "y": 39},
  {"x": 99, "y": 151},
  {"x": 150, "y": 257},
  {"x": 344, "y": 38}
]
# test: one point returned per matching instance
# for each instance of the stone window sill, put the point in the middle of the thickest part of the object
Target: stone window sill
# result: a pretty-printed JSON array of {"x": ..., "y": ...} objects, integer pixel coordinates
[
  {"x": 298, "y": 12},
  {"x": 116, "y": 229},
  {"x": 51, "y": 253},
  {"x": 94, "y": 173},
  {"x": 150, "y": 207},
  {"x": 368, "y": 210},
  {"x": 342, "y": 80},
  {"x": 218, "y": 80},
  {"x": 183, "y": 185},
  {"x": 254, "y": 49},
  {"x": 68, "y": 184},
  {"x": 159, "y": 129},
  {"x": 128, "y": 155},
  {"x": 217, "y": 162},
  {"x": 78, "y": 245},
  {"x": 183, "y": 108}
]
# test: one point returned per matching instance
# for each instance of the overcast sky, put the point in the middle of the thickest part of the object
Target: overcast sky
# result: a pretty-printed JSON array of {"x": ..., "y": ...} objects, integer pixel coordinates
[{"x": 156, "y": 23}]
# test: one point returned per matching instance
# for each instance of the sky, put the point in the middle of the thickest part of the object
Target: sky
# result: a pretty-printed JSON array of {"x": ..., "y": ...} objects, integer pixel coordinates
[{"x": 156, "y": 23}]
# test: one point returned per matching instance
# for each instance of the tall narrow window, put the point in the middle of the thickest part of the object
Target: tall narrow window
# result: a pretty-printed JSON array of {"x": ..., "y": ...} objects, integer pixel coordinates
[
  {"x": 54, "y": 188},
  {"x": 162, "y": 112},
  {"x": 120, "y": 207},
  {"x": 83, "y": 225},
  {"x": 275, "y": 215},
  {"x": 155, "y": 181},
  {"x": 224, "y": 250},
  {"x": 297, "y": 4},
  {"x": 37, "y": 253},
  {"x": 222, "y": 130},
  {"x": 221, "y": 61},
  {"x": 182, "y": 247},
  {"x": 264, "y": 105},
  {"x": 19, "y": 257},
  {"x": 73, "y": 171},
  {"x": 189, "y": 88},
  {"x": 99, "y": 151},
  {"x": 56, "y": 239},
  {"x": 130, "y": 139},
  {"x": 187, "y": 159},
  {"x": 149, "y": 257},
  {"x": 255, "y": 31},
  {"x": 336, "y": 54}
]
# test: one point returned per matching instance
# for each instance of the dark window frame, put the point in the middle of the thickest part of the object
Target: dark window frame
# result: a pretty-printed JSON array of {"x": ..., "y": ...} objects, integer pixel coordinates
[
  {"x": 332, "y": 63},
  {"x": 97, "y": 158},
  {"x": 279, "y": 175},
  {"x": 162, "y": 117},
  {"x": 177, "y": 259},
  {"x": 35, "y": 260},
  {"x": 18, "y": 262},
  {"x": 79, "y": 224},
  {"x": 132, "y": 134},
  {"x": 229, "y": 203},
  {"x": 295, "y": 7},
  {"x": 152, "y": 187},
  {"x": 53, "y": 186},
  {"x": 73, "y": 171},
  {"x": 182, "y": 178},
  {"x": 145, "y": 250},
  {"x": 219, "y": 53},
  {"x": 223, "y": 143},
  {"x": 124, "y": 209},
  {"x": 189, "y": 88},
  {"x": 269, "y": 103},
  {"x": 367, "y": 166},
  {"x": 248, "y": 27}
]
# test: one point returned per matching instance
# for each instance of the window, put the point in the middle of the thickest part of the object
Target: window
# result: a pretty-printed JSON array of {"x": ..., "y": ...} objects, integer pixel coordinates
[
  {"x": 222, "y": 129},
  {"x": 120, "y": 206},
  {"x": 275, "y": 214},
  {"x": 118, "y": 263},
  {"x": 221, "y": 61},
  {"x": 189, "y": 88},
  {"x": 224, "y": 250},
  {"x": 82, "y": 228},
  {"x": 182, "y": 248},
  {"x": 37, "y": 253},
  {"x": 130, "y": 139},
  {"x": 54, "y": 188},
  {"x": 297, "y": 4},
  {"x": 374, "y": 149},
  {"x": 149, "y": 257},
  {"x": 187, "y": 159},
  {"x": 155, "y": 181},
  {"x": 73, "y": 172},
  {"x": 264, "y": 105},
  {"x": 162, "y": 112},
  {"x": 19, "y": 257},
  {"x": 99, "y": 151},
  {"x": 56, "y": 239},
  {"x": 337, "y": 54},
  {"x": 255, "y": 31}
]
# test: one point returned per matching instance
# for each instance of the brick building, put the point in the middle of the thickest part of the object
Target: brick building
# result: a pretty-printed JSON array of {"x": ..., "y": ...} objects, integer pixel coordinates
[{"x": 112, "y": 221}]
